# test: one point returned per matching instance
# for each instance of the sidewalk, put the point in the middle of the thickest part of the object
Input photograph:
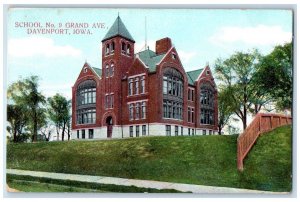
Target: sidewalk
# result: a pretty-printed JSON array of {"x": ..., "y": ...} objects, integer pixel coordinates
[{"x": 199, "y": 189}]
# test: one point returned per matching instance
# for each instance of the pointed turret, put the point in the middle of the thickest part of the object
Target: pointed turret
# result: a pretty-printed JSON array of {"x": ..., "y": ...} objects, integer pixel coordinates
[{"x": 118, "y": 29}]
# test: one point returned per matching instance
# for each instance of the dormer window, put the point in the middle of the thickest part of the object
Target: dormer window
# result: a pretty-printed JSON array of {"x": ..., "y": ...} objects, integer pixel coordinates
[
  {"x": 207, "y": 72},
  {"x": 174, "y": 56}
]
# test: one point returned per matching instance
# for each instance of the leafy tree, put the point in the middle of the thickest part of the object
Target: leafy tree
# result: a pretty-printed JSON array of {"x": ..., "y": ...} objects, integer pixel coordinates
[
  {"x": 18, "y": 119},
  {"x": 274, "y": 76},
  {"x": 25, "y": 93},
  {"x": 225, "y": 109},
  {"x": 59, "y": 113},
  {"x": 235, "y": 76}
]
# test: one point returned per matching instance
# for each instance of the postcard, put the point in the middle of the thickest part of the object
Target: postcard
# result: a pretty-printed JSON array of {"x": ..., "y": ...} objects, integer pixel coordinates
[{"x": 141, "y": 100}]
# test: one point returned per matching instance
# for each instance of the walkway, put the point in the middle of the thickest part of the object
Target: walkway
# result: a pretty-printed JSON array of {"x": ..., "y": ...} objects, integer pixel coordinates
[{"x": 139, "y": 183}]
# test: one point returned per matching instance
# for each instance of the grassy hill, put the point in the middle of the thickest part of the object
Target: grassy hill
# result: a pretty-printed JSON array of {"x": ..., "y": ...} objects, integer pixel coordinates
[{"x": 204, "y": 160}]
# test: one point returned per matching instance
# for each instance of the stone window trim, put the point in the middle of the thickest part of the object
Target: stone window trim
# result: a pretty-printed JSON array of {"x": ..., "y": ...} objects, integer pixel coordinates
[
  {"x": 137, "y": 110},
  {"x": 136, "y": 85}
]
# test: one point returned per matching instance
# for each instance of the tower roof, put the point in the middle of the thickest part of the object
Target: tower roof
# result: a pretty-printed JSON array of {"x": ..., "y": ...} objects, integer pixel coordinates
[{"x": 118, "y": 29}]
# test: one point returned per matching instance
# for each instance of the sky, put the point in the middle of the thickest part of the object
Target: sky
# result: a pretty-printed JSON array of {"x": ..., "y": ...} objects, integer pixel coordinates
[{"x": 200, "y": 36}]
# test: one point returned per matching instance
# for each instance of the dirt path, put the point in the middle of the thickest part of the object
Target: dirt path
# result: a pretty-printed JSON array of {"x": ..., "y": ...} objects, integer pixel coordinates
[{"x": 11, "y": 189}]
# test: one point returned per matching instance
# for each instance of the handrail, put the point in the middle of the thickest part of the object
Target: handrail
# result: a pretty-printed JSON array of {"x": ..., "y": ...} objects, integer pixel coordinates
[{"x": 262, "y": 122}]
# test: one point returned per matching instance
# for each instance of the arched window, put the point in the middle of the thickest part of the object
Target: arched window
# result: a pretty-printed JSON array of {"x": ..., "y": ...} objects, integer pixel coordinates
[
  {"x": 106, "y": 70},
  {"x": 86, "y": 102},
  {"x": 172, "y": 93},
  {"x": 128, "y": 49},
  {"x": 107, "y": 49},
  {"x": 112, "y": 47},
  {"x": 123, "y": 47},
  {"x": 112, "y": 69},
  {"x": 207, "y": 99}
]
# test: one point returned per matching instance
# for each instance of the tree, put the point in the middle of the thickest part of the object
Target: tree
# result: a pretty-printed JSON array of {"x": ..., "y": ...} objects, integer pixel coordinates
[
  {"x": 235, "y": 76},
  {"x": 18, "y": 119},
  {"x": 275, "y": 75},
  {"x": 25, "y": 93},
  {"x": 225, "y": 109},
  {"x": 59, "y": 113}
]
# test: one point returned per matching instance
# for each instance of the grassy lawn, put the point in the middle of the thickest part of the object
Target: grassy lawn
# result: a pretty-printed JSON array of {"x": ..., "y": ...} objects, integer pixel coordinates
[
  {"x": 204, "y": 160},
  {"x": 36, "y": 184},
  {"x": 32, "y": 186}
]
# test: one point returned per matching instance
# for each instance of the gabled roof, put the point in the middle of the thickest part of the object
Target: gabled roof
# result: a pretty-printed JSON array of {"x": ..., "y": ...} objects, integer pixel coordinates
[
  {"x": 150, "y": 59},
  {"x": 118, "y": 29},
  {"x": 193, "y": 75},
  {"x": 98, "y": 71}
]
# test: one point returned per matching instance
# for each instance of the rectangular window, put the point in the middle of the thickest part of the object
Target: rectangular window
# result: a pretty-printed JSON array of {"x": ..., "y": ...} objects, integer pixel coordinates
[
  {"x": 168, "y": 130},
  {"x": 143, "y": 110},
  {"x": 143, "y": 84},
  {"x": 189, "y": 94},
  {"x": 193, "y": 132},
  {"x": 137, "y": 86},
  {"x": 137, "y": 131},
  {"x": 106, "y": 101},
  {"x": 172, "y": 109},
  {"x": 109, "y": 101},
  {"x": 176, "y": 130},
  {"x": 130, "y": 87},
  {"x": 192, "y": 95},
  {"x": 207, "y": 116},
  {"x": 91, "y": 133},
  {"x": 189, "y": 131},
  {"x": 137, "y": 111},
  {"x": 107, "y": 71},
  {"x": 203, "y": 132},
  {"x": 131, "y": 112},
  {"x": 181, "y": 131},
  {"x": 131, "y": 131},
  {"x": 83, "y": 134},
  {"x": 144, "y": 129},
  {"x": 165, "y": 85},
  {"x": 189, "y": 114},
  {"x": 77, "y": 134},
  {"x": 192, "y": 115},
  {"x": 210, "y": 132},
  {"x": 86, "y": 116}
]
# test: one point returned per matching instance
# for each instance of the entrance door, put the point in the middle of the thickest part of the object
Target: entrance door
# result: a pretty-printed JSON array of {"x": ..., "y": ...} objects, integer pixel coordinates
[{"x": 109, "y": 123}]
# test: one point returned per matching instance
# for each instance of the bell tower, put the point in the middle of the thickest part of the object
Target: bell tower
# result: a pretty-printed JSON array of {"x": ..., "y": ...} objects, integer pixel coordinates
[{"x": 117, "y": 57}]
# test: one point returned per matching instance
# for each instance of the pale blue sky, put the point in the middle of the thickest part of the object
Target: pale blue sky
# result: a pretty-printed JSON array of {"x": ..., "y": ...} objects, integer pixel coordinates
[{"x": 199, "y": 35}]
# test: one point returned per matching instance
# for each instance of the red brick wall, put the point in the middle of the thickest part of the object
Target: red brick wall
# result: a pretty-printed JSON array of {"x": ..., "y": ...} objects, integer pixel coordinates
[
  {"x": 82, "y": 77},
  {"x": 126, "y": 66}
]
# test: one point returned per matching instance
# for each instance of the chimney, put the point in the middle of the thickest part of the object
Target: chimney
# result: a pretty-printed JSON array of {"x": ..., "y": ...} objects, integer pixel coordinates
[{"x": 163, "y": 45}]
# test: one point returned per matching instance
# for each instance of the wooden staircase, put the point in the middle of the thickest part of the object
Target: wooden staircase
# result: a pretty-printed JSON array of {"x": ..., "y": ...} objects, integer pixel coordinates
[{"x": 260, "y": 124}]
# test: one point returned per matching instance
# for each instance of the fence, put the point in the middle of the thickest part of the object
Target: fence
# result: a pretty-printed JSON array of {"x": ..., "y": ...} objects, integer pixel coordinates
[{"x": 260, "y": 124}]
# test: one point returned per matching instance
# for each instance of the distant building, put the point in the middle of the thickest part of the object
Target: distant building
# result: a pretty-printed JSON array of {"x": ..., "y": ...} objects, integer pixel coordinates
[{"x": 147, "y": 93}]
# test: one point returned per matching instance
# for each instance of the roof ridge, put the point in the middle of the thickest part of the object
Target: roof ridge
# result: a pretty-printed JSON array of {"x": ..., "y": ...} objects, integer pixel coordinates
[
  {"x": 189, "y": 76},
  {"x": 195, "y": 70}
]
